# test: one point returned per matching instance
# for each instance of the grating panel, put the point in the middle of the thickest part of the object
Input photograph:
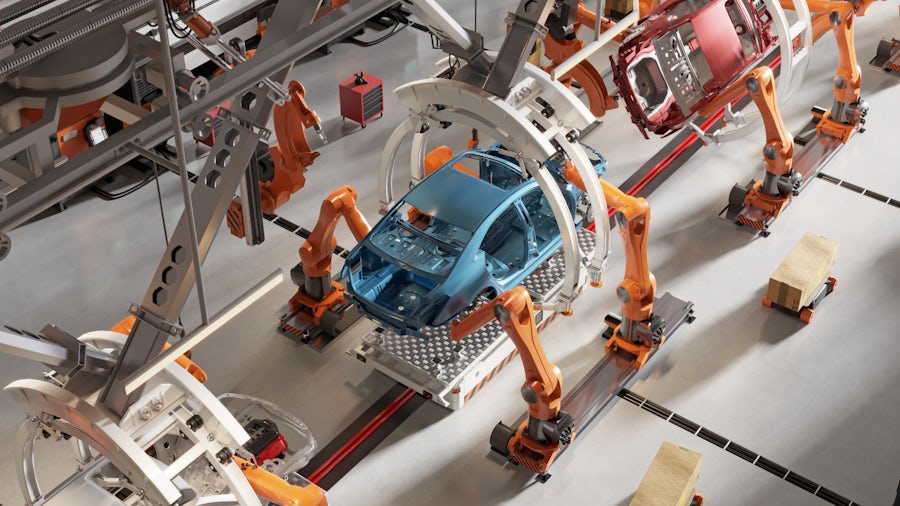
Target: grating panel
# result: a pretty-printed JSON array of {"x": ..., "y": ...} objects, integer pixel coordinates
[{"x": 456, "y": 366}]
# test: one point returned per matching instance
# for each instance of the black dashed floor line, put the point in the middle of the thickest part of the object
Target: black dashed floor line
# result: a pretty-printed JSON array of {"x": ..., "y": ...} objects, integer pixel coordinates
[
  {"x": 860, "y": 190},
  {"x": 742, "y": 452}
]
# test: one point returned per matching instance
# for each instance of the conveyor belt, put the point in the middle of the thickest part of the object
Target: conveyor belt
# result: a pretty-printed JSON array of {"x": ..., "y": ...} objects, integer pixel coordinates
[{"x": 859, "y": 189}]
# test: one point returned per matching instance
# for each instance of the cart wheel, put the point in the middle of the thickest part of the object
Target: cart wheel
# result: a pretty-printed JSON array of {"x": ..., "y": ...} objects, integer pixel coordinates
[
  {"x": 806, "y": 314},
  {"x": 833, "y": 283},
  {"x": 766, "y": 302}
]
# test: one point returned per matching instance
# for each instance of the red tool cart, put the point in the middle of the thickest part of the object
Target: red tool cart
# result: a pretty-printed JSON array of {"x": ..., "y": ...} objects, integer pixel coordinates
[{"x": 362, "y": 98}]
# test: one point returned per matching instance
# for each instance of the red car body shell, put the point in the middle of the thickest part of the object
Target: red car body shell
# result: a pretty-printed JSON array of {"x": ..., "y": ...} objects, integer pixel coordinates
[{"x": 704, "y": 47}]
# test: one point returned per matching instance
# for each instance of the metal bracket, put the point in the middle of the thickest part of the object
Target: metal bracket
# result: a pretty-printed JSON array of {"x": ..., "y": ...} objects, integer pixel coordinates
[
  {"x": 263, "y": 132},
  {"x": 156, "y": 322},
  {"x": 55, "y": 335},
  {"x": 525, "y": 25}
]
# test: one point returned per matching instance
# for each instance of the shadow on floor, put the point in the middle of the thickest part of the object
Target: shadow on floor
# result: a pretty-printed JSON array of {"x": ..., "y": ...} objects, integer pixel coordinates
[
  {"x": 723, "y": 342},
  {"x": 856, "y": 456}
]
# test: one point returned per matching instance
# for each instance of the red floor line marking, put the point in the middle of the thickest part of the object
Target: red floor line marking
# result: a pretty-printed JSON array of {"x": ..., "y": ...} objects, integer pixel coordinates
[
  {"x": 361, "y": 436},
  {"x": 665, "y": 162}
]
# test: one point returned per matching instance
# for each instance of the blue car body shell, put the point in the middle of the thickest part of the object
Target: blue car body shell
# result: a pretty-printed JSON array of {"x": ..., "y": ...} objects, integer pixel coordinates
[{"x": 481, "y": 236}]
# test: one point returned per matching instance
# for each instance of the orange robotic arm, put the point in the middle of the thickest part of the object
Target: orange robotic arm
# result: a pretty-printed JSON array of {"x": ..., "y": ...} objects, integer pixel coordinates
[
  {"x": 768, "y": 197},
  {"x": 318, "y": 292},
  {"x": 640, "y": 330},
  {"x": 275, "y": 490},
  {"x": 848, "y": 111},
  {"x": 760, "y": 84},
  {"x": 537, "y": 441},
  {"x": 292, "y": 154},
  {"x": 290, "y": 157},
  {"x": 316, "y": 252}
]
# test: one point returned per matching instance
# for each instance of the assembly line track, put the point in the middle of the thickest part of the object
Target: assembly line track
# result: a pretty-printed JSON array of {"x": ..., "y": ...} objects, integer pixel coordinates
[{"x": 351, "y": 444}]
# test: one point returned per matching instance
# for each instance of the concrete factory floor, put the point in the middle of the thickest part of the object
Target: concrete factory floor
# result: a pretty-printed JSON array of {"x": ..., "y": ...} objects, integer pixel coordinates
[{"x": 820, "y": 399}]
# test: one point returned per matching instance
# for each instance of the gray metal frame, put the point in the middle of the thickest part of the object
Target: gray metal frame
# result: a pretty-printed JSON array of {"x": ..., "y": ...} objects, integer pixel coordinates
[
  {"x": 290, "y": 37},
  {"x": 279, "y": 51},
  {"x": 220, "y": 177}
]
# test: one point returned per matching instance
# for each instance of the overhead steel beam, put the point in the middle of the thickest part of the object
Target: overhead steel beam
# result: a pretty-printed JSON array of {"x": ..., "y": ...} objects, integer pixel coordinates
[
  {"x": 172, "y": 95},
  {"x": 69, "y": 178},
  {"x": 525, "y": 26},
  {"x": 24, "y": 138},
  {"x": 65, "y": 37}
]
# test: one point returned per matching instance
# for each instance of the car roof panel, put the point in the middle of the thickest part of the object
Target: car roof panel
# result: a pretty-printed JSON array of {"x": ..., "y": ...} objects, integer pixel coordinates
[
  {"x": 719, "y": 42},
  {"x": 456, "y": 198}
]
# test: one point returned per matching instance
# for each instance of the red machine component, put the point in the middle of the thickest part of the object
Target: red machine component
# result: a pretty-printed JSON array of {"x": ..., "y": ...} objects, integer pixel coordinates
[
  {"x": 639, "y": 330},
  {"x": 362, "y": 98},
  {"x": 273, "y": 450},
  {"x": 536, "y": 442},
  {"x": 766, "y": 198},
  {"x": 318, "y": 292},
  {"x": 266, "y": 442}
]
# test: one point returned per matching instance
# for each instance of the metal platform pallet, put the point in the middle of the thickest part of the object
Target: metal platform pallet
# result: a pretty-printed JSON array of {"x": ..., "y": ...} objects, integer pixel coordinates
[{"x": 449, "y": 372}]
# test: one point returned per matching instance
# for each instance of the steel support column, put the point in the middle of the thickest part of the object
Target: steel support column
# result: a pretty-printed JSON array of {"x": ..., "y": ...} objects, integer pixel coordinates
[{"x": 220, "y": 177}]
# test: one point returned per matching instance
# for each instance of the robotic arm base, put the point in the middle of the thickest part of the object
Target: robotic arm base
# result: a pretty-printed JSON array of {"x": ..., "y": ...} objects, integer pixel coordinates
[{"x": 630, "y": 343}]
